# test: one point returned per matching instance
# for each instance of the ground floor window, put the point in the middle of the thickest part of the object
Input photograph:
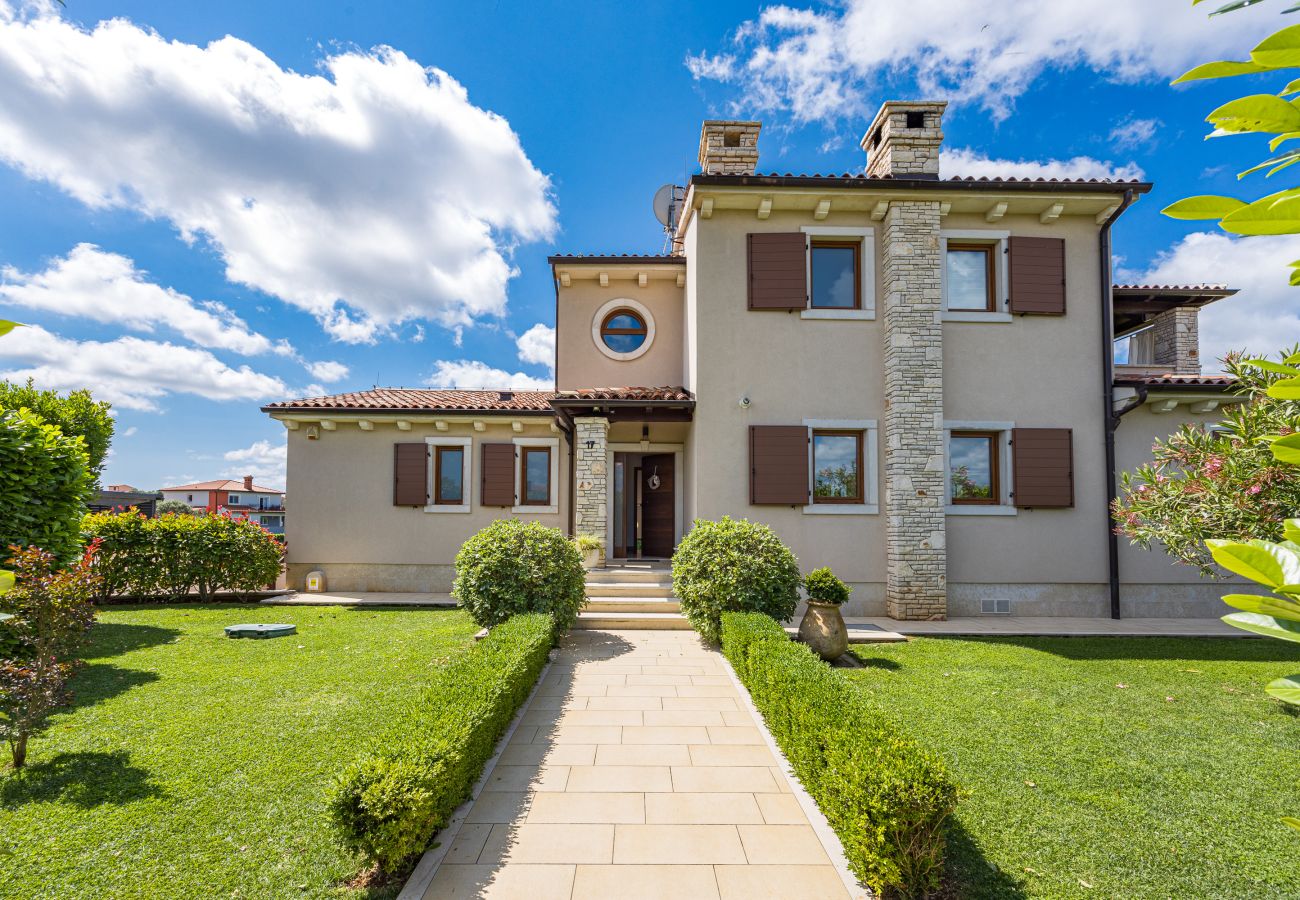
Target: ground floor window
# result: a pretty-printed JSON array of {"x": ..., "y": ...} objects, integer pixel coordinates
[
  {"x": 979, "y": 468},
  {"x": 449, "y": 475},
  {"x": 837, "y": 466},
  {"x": 535, "y": 473}
]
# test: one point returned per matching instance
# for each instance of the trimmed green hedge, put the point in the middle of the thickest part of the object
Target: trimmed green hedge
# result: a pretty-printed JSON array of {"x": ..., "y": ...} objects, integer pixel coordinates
[
  {"x": 388, "y": 804},
  {"x": 886, "y": 796},
  {"x": 45, "y": 480},
  {"x": 511, "y": 567}
]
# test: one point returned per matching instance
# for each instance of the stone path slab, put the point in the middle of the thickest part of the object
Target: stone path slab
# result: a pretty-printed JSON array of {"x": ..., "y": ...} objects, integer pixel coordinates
[{"x": 638, "y": 771}]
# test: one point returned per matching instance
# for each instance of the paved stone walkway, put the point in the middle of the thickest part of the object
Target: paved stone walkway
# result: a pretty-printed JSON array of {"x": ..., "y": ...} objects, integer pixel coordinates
[{"x": 637, "y": 772}]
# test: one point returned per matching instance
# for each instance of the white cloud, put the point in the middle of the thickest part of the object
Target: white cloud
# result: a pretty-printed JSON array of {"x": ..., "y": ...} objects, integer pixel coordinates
[
  {"x": 1263, "y": 318},
  {"x": 327, "y": 370},
  {"x": 473, "y": 374},
  {"x": 129, "y": 372},
  {"x": 828, "y": 63},
  {"x": 369, "y": 195},
  {"x": 1134, "y": 132},
  {"x": 107, "y": 287},
  {"x": 973, "y": 164},
  {"x": 262, "y": 460},
  {"x": 537, "y": 346},
  {"x": 130, "y": 432}
]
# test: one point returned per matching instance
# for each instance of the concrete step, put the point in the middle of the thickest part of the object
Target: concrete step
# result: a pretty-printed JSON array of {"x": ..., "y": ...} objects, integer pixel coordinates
[
  {"x": 632, "y": 604},
  {"x": 621, "y": 574},
  {"x": 630, "y": 588},
  {"x": 642, "y": 621}
]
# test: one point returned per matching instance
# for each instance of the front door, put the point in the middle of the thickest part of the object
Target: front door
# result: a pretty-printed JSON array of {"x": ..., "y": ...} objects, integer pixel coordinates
[{"x": 657, "y": 518}]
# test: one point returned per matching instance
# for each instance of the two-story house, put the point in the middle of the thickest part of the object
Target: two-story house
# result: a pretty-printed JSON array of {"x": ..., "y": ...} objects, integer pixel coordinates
[
  {"x": 911, "y": 379},
  {"x": 242, "y": 499}
]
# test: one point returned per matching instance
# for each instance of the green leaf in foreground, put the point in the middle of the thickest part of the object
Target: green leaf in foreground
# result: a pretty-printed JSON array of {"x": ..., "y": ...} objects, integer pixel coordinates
[
  {"x": 6, "y": 326},
  {"x": 1287, "y": 449},
  {"x": 6, "y": 581},
  {"x": 1256, "y": 112},
  {"x": 1265, "y": 625},
  {"x": 1205, "y": 206},
  {"x": 1248, "y": 561},
  {"x": 1285, "y": 689},
  {"x": 1277, "y": 607},
  {"x": 1224, "y": 68},
  {"x": 1279, "y": 50},
  {"x": 1286, "y": 389},
  {"x": 1269, "y": 366}
]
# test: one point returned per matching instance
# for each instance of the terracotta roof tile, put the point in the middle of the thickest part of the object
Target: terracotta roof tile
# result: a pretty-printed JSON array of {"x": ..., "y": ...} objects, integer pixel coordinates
[
  {"x": 397, "y": 399},
  {"x": 1170, "y": 379},
  {"x": 560, "y": 258},
  {"x": 224, "y": 484}
]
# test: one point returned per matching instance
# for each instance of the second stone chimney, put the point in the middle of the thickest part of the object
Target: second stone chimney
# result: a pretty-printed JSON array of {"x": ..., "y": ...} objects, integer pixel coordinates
[
  {"x": 248, "y": 482},
  {"x": 904, "y": 138},
  {"x": 729, "y": 147}
]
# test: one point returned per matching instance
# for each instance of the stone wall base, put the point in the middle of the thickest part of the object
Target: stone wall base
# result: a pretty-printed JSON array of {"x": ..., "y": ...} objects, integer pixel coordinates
[{"x": 434, "y": 579}]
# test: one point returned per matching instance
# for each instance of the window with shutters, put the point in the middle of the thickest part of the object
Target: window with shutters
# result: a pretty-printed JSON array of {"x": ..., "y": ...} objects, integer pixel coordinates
[
  {"x": 973, "y": 276},
  {"x": 842, "y": 467},
  {"x": 537, "y": 471},
  {"x": 978, "y": 465},
  {"x": 449, "y": 474},
  {"x": 841, "y": 272}
]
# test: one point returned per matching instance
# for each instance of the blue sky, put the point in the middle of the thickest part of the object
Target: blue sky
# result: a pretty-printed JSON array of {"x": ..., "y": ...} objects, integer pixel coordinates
[{"x": 196, "y": 228}]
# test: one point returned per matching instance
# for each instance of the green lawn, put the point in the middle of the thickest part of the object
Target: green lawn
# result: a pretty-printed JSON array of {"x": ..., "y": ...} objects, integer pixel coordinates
[
  {"x": 193, "y": 765},
  {"x": 1107, "y": 767}
]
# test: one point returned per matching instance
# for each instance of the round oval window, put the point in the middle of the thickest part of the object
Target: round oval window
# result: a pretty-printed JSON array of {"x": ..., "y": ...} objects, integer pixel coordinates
[{"x": 623, "y": 331}]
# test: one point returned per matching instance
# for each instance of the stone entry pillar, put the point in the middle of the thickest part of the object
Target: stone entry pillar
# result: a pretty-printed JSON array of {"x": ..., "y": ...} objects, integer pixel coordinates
[
  {"x": 591, "y": 477},
  {"x": 916, "y": 561}
]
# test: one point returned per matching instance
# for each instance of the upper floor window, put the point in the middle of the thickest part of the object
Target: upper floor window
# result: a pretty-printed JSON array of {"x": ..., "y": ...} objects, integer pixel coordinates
[
  {"x": 233, "y": 499},
  {"x": 837, "y": 466},
  {"x": 973, "y": 467},
  {"x": 835, "y": 280},
  {"x": 970, "y": 277},
  {"x": 623, "y": 331}
]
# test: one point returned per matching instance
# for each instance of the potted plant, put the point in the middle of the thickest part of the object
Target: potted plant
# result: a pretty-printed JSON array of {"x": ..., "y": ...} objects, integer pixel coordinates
[
  {"x": 589, "y": 546},
  {"x": 822, "y": 627}
]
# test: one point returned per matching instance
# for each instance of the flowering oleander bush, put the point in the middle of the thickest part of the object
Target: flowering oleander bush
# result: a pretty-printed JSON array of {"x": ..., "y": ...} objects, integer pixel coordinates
[
  {"x": 172, "y": 556},
  {"x": 1225, "y": 483}
]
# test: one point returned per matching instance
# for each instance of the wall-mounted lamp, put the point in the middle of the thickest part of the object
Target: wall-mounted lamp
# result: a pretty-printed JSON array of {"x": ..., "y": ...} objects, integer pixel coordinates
[{"x": 645, "y": 437}]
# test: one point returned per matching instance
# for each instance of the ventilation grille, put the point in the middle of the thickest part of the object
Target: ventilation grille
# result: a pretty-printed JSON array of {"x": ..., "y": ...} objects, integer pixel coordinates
[{"x": 995, "y": 605}]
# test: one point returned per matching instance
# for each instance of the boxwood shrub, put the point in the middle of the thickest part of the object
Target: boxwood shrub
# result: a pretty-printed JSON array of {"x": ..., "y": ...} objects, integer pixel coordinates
[
  {"x": 45, "y": 480},
  {"x": 388, "y": 804},
  {"x": 513, "y": 567},
  {"x": 733, "y": 565},
  {"x": 886, "y": 796}
]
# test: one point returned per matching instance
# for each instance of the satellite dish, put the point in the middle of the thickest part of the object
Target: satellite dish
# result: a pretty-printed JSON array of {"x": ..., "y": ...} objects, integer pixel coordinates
[{"x": 664, "y": 205}]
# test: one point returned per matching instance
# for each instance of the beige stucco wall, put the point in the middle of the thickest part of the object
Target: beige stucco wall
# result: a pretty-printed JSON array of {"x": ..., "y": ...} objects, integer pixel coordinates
[
  {"x": 344, "y": 521},
  {"x": 580, "y": 364},
  {"x": 791, "y": 369}
]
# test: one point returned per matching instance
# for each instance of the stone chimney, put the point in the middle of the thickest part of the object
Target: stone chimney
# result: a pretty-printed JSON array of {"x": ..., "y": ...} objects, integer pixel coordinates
[
  {"x": 248, "y": 482},
  {"x": 903, "y": 140},
  {"x": 1177, "y": 340},
  {"x": 729, "y": 147}
]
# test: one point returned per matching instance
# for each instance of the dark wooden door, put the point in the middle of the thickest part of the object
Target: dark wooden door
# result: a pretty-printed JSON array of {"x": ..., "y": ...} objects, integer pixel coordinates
[{"x": 657, "y": 487}]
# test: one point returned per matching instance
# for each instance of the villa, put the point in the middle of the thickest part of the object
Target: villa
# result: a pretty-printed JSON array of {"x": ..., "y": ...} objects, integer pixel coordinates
[{"x": 913, "y": 380}]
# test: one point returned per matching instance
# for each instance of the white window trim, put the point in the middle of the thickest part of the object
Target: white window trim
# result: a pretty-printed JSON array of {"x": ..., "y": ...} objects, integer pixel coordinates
[
  {"x": 867, "y": 275},
  {"x": 623, "y": 303},
  {"x": 999, "y": 240},
  {"x": 871, "y": 480},
  {"x": 554, "y": 444},
  {"x": 466, "y": 467},
  {"x": 232, "y": 498},
  {"x": 1004, "y": 470}
]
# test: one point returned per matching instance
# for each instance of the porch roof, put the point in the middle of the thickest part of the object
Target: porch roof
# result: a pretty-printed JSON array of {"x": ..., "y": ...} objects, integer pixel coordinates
[{"x": 627, "y": 403}]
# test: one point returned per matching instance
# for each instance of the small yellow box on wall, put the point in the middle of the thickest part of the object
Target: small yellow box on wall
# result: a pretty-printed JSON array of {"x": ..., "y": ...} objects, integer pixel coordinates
[{"x": 315, "y": 582}]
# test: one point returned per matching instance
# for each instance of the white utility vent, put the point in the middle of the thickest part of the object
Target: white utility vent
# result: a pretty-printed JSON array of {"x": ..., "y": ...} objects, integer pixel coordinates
[{"x": 995, "y": 605}]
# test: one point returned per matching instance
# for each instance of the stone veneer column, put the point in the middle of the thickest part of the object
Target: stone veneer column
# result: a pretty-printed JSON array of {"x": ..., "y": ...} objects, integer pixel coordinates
[
  {"x": 916, "y": 561},
  {"x": 591, "y": 480},
  {"x": 1177, "y": 340}
]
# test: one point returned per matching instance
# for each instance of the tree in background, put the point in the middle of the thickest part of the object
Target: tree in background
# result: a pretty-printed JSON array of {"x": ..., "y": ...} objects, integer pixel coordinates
[
  {"x": 77, "y": 414},
  {"x": 174, "y": 508},
  {"x": 51, "y": 613}
]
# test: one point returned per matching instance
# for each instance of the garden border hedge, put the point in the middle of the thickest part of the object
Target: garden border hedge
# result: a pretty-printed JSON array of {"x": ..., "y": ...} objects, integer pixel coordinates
[
  {"x": 885, "y": 795},
  {"x": 388, "y": 804}
]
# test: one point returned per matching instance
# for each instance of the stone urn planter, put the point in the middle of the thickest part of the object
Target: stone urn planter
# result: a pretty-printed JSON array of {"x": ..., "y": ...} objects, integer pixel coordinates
[
  {"x": 591, "y": 559},
  {"x": 589, "y": 548},
  {"x": 822, "y": 629}
]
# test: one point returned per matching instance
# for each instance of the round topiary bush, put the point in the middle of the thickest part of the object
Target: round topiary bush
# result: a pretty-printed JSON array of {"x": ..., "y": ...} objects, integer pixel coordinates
[
  {"x": 733, "y": 566},
  {"x": 513, "y": 567}
]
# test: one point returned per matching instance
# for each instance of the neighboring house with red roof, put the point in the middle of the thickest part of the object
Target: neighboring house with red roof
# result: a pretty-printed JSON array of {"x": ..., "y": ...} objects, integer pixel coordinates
[
  {"x": 242, "y": 498},
  {"x": 917, "y": 381}
]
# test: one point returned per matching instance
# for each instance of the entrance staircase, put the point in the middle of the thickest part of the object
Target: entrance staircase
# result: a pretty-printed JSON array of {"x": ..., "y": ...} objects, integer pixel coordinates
[{"x": 632, "y": 595}]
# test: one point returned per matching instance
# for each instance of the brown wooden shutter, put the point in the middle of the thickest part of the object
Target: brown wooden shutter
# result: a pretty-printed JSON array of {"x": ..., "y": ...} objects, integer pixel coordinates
[
  {"x": 410, "y": 474},
  {"x": 498, "y": 476},
  {"x": 1037, "y": 268},
  {"x": 778, "y": 464},
  {"x": 1042, "y": 461},
  {"x": 778, "y": 270}
]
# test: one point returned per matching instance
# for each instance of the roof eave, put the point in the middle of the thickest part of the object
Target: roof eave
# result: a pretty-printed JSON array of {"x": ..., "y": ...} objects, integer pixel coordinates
[{"x": 923, "y": 184}]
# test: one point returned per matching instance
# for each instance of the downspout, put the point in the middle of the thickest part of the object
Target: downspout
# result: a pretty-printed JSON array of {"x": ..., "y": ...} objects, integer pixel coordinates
[{"x": 1109, "y": 416}]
